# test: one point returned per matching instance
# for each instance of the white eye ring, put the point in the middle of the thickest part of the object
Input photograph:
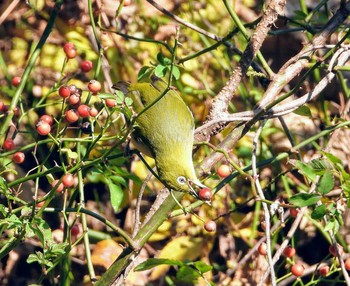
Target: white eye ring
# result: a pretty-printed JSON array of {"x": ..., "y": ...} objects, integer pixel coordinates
[{"x": 181, "y": 180}]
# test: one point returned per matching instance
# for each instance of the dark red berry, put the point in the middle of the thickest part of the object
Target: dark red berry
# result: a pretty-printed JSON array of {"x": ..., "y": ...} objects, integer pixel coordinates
[
  {"x": 64, "y": 91},
  {"x": 16, "y": 81},
  {"x": 83, "y": 110},
  {"x": 86, "y": 66},
  {"x": 289, "y": 252},
  {"x": 9, "y": 144},
  {"x": 205, "y": 194}
]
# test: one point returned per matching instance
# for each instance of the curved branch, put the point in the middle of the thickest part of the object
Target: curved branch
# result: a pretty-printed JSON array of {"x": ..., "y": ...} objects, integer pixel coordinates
[{"x": 283, "y": 109}]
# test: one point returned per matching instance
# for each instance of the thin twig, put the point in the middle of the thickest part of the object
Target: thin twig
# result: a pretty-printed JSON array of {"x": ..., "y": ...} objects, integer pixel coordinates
[{"x": 265, "y": 207}]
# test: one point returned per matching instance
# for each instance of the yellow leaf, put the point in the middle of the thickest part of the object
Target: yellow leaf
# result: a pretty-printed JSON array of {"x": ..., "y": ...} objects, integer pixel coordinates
[
  {"x": 105, "y": 252},
  {"x": 181, "y": 248}
]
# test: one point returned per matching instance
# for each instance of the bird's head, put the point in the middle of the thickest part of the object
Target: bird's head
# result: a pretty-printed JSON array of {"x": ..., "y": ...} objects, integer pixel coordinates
[{"x": 180, "y": 177}]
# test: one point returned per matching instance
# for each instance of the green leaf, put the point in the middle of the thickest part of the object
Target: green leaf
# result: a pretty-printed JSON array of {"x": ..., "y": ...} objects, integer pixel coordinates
[
  {"x": 313, "y": 168},
  {"x": 176, "y": 72},
  {"x": 320, "y": 166},
  {"x": 3, "y": 210},
  {"x": 202, "y": 266},
  {"x": 160, "y": 58},
  {"x": 303, "y": 111},
  {"x": 144, "y": 72},
  {"x": 118, "y": 180},
  {"x": 32, "y": 258},
  {"x": 128, "y": 101},
  {"x": 116, "y": 194},
  {"x": 319, "y": 212},
  {"x": 332, "y": 225},
  {"x": 326, "y": 183},
  {"x": 304, "y": 199},
  {"x": 304, "y": 169},
  {"x": 187, "y": 275},
  {"x": 160, "y": 71},
  {"x": 153, "y": 262},
  {"x": 332, "y": 158}
]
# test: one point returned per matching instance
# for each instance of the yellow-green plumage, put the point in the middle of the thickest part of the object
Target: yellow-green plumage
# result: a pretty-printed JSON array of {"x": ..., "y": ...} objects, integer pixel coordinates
[{"x": 164, "y": 131}]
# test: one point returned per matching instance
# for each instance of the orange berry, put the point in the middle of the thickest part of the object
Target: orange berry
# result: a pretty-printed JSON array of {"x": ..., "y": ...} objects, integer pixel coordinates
[
  {"x": 223, "y": 171},
  {"x": 347, "y": 264},
  {"x": 324, "y": 270},
  {"x": 68, "y": 180},
  {"x": 19, "y": 157},
  {"x": 262, "y": 249},
  {"x": 60, "y": 187},
  {"x": 297, "y": 270},
  {"x": 289, "y": 252}
]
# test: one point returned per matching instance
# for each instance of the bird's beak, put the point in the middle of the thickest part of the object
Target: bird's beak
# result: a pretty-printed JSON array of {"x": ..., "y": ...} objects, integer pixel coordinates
[{"x": 196, "y": 184}]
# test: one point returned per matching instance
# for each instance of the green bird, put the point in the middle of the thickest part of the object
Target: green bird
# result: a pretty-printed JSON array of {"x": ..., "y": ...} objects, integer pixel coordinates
[{"x": 164, "y": 132}]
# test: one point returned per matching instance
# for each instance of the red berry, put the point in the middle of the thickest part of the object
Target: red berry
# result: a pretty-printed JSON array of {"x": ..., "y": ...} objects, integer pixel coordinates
[
  {"x": 64, "y": 91},
  {"x": 74, "y": 99},
  {"x": 324, "y": 270},
  {"x": 43, "y": 128},
  {"x": 110, "y": 102},
  {"x": 40, "y": 204},
  {"x": 297, "y": 270},
  {"x": 2, "y": 105},
  {"x": 67, "y": 46},
  {"x": 127, "y": 3},
  {"x": 9, "y": 144},
  {"x": 205, "y": 194},
  {"x": 289, "y": 252},
  {"x": 74, "y": 231},
  {"x": 294, "y": 212},
  {"x": 68, "y": 180},
  {"x": 72, "y": 115},
  {"x": 86, "y": 66},
  {"x": 333, "y": 251},
  {"x": 16, "y": 81},
  {"x": 18, "y": 157},
  {"x": 46, "y": 118},
  {"x": 83, "y": 110},
  {"x": 347, "y": 264},
  {"x": 223, "y": 171},
  {"x": 60, "y": 187},
  {"x": 210, "y": 226},
  {"x": 94, "y": 86},
  {"x": 93, "y": 112},
  {"x": 262, "y": 249},
  {"x": 70, "y": 50}
]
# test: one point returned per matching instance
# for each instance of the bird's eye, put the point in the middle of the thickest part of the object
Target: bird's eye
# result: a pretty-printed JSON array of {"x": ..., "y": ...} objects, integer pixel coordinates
[{"x": 181, "y": 180}]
